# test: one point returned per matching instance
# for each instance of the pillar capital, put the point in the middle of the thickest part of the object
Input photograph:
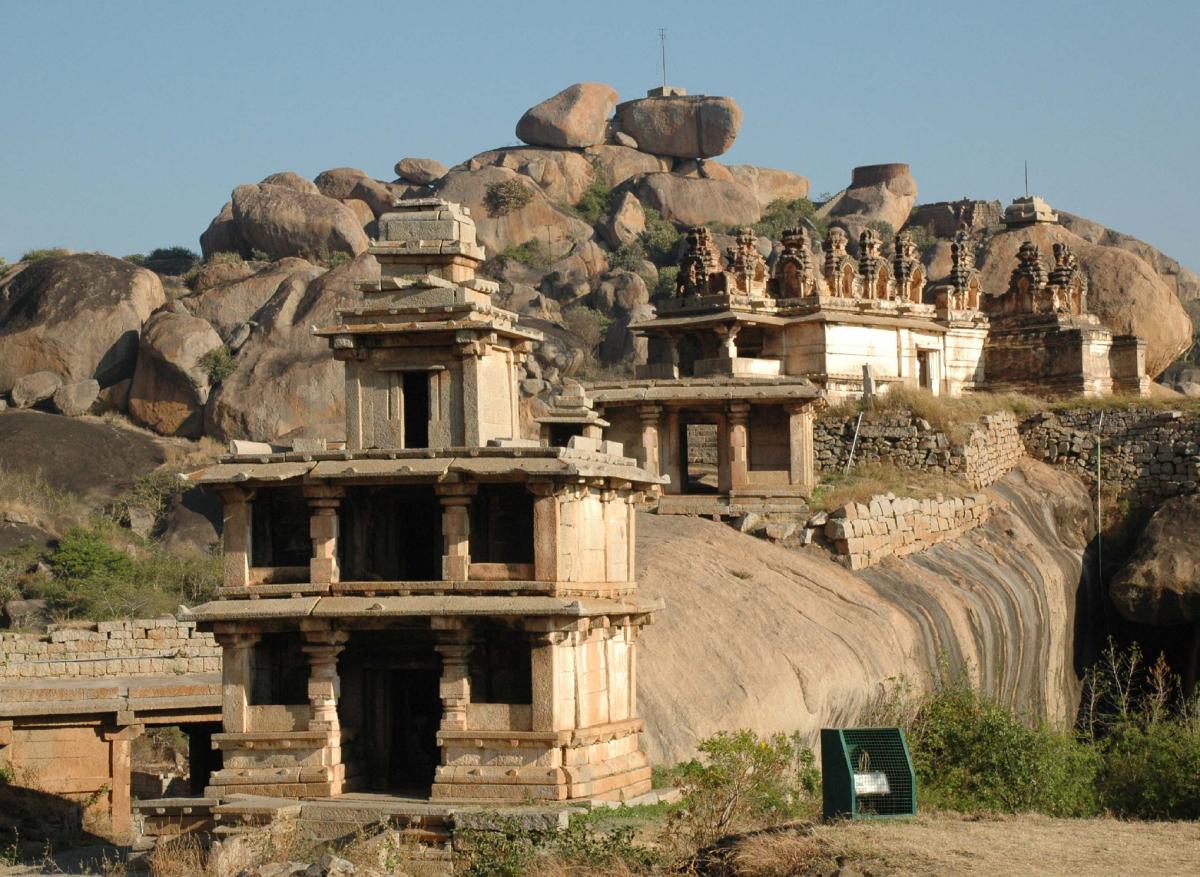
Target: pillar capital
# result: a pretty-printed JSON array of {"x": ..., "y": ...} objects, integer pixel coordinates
[
  {"x": 649, "y": 412},
  {"x": 738, "y": 412}
]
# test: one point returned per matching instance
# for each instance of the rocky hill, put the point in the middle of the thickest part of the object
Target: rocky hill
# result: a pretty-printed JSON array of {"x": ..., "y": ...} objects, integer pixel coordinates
[{"x": 581, "y": 225}]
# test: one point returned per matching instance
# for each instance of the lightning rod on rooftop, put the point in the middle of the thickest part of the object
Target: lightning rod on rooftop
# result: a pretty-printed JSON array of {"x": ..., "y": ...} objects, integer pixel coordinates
[
  {"x": 1026, "y": 178},
  {"x": 662, "y": 38}
]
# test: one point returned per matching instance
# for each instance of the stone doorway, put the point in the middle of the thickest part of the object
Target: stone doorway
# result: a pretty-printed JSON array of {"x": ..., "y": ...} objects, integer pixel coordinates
[{"x": 698, "y": 458}]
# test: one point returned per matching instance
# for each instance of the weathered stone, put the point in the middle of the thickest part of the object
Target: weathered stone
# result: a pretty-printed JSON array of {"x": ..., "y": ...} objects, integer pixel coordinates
[
  {"x": 229, "y": 305},
  {"x": 222, "y": 235},
  {"x": 620, "y": 292},
  {"x": 283, "y": 222},
  {"x": 769, "y": 184},
  {"x": 32, "y": 388},
  {"x": 625, "y": 222},
  {"x": 77, "y": 316},
  {"x": 76, "y": 398},
  {"x": 615, "y": 164},
  {"x": 694, "y": 202},
  {"x": 338, "y": 182},
  {"x": 885, "y": 192},
  {"x": 170, "y": 386},
  {"x": 290, "y": 180},
  {"x": 421, "y": 171},
  {"x": 361, "y": 209},
  {"x": 562, "y": 174},
  {"x": 1160, "y": 584},
  {"x": 701, "y": 169},
  {"x": 576, "y": 116},
  {"x": 693, "y": 126},
  {"x": 378, "y": 195}
]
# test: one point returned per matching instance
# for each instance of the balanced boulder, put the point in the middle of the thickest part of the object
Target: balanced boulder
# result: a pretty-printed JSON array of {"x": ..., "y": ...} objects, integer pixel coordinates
[
  {"x": 420, "y": 171},
  {"x": 696, "y": 201},
  {"x": 339, "y": 181},
  {"x": 293, "y": 181},
  {"x": 683, "y": 126},
  {"x": 77, "y": 316},
  {"x": 576, "y": 116},
  {"x": 283, "y": 222},
  {"x": 171, "y": 383}
]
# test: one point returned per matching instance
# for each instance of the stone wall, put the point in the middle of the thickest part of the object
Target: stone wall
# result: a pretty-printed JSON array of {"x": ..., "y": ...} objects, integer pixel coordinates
[
  {"x": 992, "y": 447},
  {"x": 1147, "y": 455},
  {"x": 862, "y": 534},
  {"x": 143, "y": 647}
]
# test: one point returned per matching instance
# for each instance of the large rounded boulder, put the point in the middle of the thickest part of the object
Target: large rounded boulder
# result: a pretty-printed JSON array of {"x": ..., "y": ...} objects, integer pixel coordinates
[
  {"x": 231, "y": 304},
  {"x": 562, "y": 174},
  {"x": 682, "y": 126},
  {"x": 285, "y": 383},
  {"x": 616, "y": 164},
  {"x": 1160, "y": 583},
  {"x": 171, "y": 382},
  {"x": 878, "y": 192},
  {"x": 576, "y": 116},
  {"x": 1123, "y": 290},
  {"x": 77, "y": 316},
  {"x": 696, "y": 200},
  {"x": 769, "y": 184},
  {"x": 281, "y": 221}
]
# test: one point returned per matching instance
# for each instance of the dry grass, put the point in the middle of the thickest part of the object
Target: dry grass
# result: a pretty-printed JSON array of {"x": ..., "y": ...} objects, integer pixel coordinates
[
  {"x": 950, "y": 414},
  {"x": 29, "y": 492},
  {"x": 866, "y": 481},
  {"x": 182, "y": 856}
]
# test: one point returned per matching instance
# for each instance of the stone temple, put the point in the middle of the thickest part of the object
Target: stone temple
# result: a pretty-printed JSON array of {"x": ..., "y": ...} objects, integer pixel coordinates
[{"x": 437, "y": 609}]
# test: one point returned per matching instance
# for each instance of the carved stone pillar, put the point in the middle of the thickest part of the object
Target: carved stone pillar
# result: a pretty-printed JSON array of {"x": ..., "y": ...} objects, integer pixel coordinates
[
  {"x": 800, "y": 443},
  {"x": 739, "y": 446},
  {"x": 236, "y": 667},
  {"x": 235, "y": 563},
  {"x": 546, "y": 520},
  {"x": 553, "y": 682},
  {"x": 724, "y": 481},
  {"x": 323, "y": 645},
  {"x": 650, "y": 415},
  {"x": 323, "y": 527},
  {"x": 471, "y": 352},
  {"x": 673, "y": 464},
  {"x": 456, "y": 530},
  {"x": 120, "y": 743},
  {"x": 455, "y": 688},
  {"x": 727, "y": 341}
]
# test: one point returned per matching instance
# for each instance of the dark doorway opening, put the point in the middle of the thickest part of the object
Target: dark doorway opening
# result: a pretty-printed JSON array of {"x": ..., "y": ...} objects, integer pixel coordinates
[
  {"x": 502, "y": 524},
  {"x": 924, "y": 378},
  {"x": 562, "y": 433},
  {"x": 416, "y": 409},
  {"x": 279, "y": 526},
  {"x": 391, "y": 534}
]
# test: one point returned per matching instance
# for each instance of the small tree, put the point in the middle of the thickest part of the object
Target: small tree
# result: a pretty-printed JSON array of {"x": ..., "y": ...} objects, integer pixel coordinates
[
  {"x": 218, "y": 364},
  {"x": 502, "y": 198}
]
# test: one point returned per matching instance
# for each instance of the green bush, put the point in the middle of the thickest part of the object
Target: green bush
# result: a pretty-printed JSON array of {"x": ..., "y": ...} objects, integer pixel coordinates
[
  {"x": 533, "y": 253},
  {"x": 588, "y": 324},
  {"x": 501, "y": 198},
  {"x": 259, "y": 256},
  {"x": 226, "y": 257},
  {"x": 136, "y": 258},
  {"x": 173, "y": 253},
  {"x": 783, "y": 214},
  {"x": 922, "y": 238},
  {"x": 218, "y": 364},
  {"x": 34, "y": 255},
  {"x": 883, "y": 228},
  {"x": 1152, "y": 770},
  {"x": 664, "y": 286},
  {"x": 512, "y": 850},
  {"x": 84, "y": 554},
  {"x": 660, "y": 238},
  {"x": 744, "y": 780},
  {"x": 972, "y": 754},
  {"x": 596, "y": 201},
  {"x": 628, "y": 257}
]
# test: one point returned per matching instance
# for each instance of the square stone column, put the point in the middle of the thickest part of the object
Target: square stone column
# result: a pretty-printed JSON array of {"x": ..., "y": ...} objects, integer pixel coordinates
[
  {"x": 120, "y": 811},
  {"x": 546, "y": 521},
  {"x": 236, "y": 646},
  {"x": 650, "y": 415},
  {"x": 235, "y": 559},
  {"x": 323, "y": 501},
  {"x": 673, "y": 465},
  {"x": 724, "y": 479},
  {"x": 454, "y": 645},
  {"x": 323, "y": 645},
  {"x": 456, "y": 530},
  {"x": 800, "y": 444},
  {"x": 739, "y": 445},
  {"x": 553, "y": 682}
]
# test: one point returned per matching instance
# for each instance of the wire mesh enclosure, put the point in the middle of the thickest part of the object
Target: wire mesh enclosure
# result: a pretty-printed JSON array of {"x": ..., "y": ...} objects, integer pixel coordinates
[{"x": 867, "y": 773}]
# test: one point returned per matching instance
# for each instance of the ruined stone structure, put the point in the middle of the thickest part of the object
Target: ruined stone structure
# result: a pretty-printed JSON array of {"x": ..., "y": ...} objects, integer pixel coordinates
[{"x": 439, "y": 609}]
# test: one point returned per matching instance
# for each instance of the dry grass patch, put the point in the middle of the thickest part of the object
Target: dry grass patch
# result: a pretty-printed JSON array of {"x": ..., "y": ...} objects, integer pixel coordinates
[
  {"x": 873, "y": 479},
  {"x": 953, "y": 415}
]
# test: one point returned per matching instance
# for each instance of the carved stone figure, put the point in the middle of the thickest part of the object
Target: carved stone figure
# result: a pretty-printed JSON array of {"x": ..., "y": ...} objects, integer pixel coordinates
[
  {"x": 1028, "y": 281},
  {"x": 747, "y": 266}
]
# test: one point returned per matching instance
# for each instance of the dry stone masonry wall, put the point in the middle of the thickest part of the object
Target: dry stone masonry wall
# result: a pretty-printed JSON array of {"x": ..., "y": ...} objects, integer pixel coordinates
[
  {"x": 992, "y": 447},
  {"x": 1147, "y": 455},
  {"x": 143, "y": 647},
  {"x": 862, "y": 534}
]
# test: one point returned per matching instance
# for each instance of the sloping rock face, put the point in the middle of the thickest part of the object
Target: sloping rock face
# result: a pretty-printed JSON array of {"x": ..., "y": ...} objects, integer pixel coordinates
[
  {"x": 616, "y": 164},
  {"x": 884, "y": 192},
  {"x": 563, "y": 175},
  {"x": 769, "y": 184},
  {"x": 1160, "y": 583},
  {"x": 286, "y": 384},
  {"x": 169, "y": 386},
  {"x": 283, "y": 222},
  {"x": 757, "y": 636},
  {"x": 687, "y": 126},
  {"x": 77, "y": 316},
  {"x": 1123, "y": 290},
  {"x": 696, "y": 201},
  {"x": 576, "y": 116},
  {"x": 228, "y": 305}
]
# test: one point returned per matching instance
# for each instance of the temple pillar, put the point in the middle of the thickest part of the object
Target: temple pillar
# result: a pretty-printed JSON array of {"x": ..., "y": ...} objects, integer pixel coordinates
[
  {"x": 235, "y": 557},
  {"x": 739, "y": 448},
  {"x": 456, "y": 530},
  {"x": 800, "y": 445},
  {"x": 120, "y": 767},
  {"x": 724, "y": 480},
  {"x": 553, "y": 682},
  {"x": 453, "y": 644},
  {"x": 323, "y": 501},
  {"x": 650, "y": 415},
  {"x": 672, "y": 459},
  {"x": 323, "y": 645},
  {"x": 727, "y": 341},
  {"x": 546, "y": 521},
  {"x": 471, "y": 353},
  {"x": 236, "y": 666}
]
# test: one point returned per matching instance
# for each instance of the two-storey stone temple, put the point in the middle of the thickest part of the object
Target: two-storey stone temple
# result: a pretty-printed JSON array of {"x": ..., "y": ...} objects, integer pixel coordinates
[{"x": 437, "y": 609}]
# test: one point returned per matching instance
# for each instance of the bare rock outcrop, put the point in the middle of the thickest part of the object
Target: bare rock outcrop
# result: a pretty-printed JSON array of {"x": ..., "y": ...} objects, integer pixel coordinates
[
  {"x": 770, "y": 184},
  {"x": 338, "y": 182},
  {"x": 884, "y": 192},
  {"x": 291, "y": 180},
  {"x": 683, "y": 126},
  {"x": 76, "y": 398},
  {"x": 170, "y": 386},
  {"x": 229, "y": 305},
  {"x": 77, "y": 316},
  {"x": 28, "y": 390},
  {"x": 1123, "y": 290},
  {"x": 420, "y": 171},
  {"x": 763, "y": 637},
  {"x": 562, "y": 174},
  {"x": 624, "y": 222},
  {"x": 615, "y": 164},
  {"x": 283, "y": 222},
  {"x": 286, "y": 384},
  {"x": 1160, "y": 583},
  {"x": 576, "y": 116},
  {"x": 695, "y": 201}
]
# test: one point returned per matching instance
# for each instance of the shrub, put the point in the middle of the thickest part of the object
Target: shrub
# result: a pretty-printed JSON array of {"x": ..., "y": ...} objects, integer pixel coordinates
[
  {"x": 533, "y": 253},
  {"x": 34, "y": 255},
  {"x": 218, "y": 364},
  {"x": 136, "y": 258},
  {"x": 586, "y": 323},
  {"x": 745, "y": 780},
  {"x": 84, "y": 554},
  {"x": 226, "y": 257},
  {"x": 664, "y": 286},
  {"x": 922, "y": 238},
  {"x": 628, "y": 257},
  {"x": 501, "y": 198},
  {"x": 259, "y": 256},
  {"x": 660, "y": 238},
  {"x": 512, "y": 850},
  {"x": 596, "y": 201},
  {"x": 1152, "y": 770},
  {"x": 173, "y": 253},
  {"x": 782, "y": 214},
  {"x": 335, "y": 259},
  {"x": 883, "y": 228}
]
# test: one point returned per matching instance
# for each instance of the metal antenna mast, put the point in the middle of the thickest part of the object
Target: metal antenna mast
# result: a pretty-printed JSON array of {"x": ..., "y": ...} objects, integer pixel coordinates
[
  {"x": 662, "y": 38},
  {"x": 1026, "y": 178}
]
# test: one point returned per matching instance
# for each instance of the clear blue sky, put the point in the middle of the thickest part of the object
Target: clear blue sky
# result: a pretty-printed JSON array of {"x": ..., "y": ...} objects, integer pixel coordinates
[{"x": 124, "y": 126}]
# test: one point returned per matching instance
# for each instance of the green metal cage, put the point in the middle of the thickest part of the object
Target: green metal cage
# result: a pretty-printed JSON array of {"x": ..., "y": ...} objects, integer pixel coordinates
[{"x": 867, "y": 773}]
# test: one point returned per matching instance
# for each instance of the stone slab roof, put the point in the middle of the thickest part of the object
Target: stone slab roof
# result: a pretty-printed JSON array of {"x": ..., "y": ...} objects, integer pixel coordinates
[
  {"x": 704, "y": 389},
  {"x": 53, "y": 697}
]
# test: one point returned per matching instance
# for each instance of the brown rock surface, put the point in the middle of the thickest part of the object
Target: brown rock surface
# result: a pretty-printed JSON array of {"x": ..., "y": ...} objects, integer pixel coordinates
[
  {"x": 28, "y": 390},
  {"x": 169, "y": 387},
  {"x": 361, "y": 209},
  {"x": 1123, "y": 290},
  {"x": 378, "y": 195},
  {"x": 698, "y": 168},
  {"x": 339, "y": 181},
  {"x": 222, "y": 234},
  {"x": 293, "y": 181},
  {"x": 625, "y": 222},
  {"x": 689, "y": 126},
  {"x": 563, "y": 175},
  {"x": 421, "y": 171},
  {"x": 283, "y": 222},
  {"x": 769, "y": 184},
  {"x": 692, "y": 201},
  {"x": 616, "y": 164},
  {"x": 574, "y": 117},
  {"x": 1160, "y": 583},
  {"x": 286, "y": 384},
  {"x": 76, "y": 398},
  {"x": 77, "y": 316},
  {"x": 228, "y": 305},
  {"x": 884, "y": 192},
  {"x": 759, "y": 636}
]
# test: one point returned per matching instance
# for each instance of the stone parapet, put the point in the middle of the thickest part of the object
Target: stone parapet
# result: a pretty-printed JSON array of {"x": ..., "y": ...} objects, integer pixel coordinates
[
  {"x": 142, "y": 647},
  {"x": 861, "y": 534}
]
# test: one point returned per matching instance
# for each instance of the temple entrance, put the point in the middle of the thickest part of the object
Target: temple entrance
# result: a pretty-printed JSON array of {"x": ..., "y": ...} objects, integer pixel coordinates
[
  {"x": 416, "y": 409},
  {"x": 923, "y": 374},
  {"x": 698, "y": 457}
]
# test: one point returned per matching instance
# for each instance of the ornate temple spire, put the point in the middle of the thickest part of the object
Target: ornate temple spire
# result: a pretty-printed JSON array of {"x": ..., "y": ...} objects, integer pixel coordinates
[
  {"x": 907, "y": 269},
  {"x": 793, "y": 275},
  {"x": 837, "y": 269}
]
